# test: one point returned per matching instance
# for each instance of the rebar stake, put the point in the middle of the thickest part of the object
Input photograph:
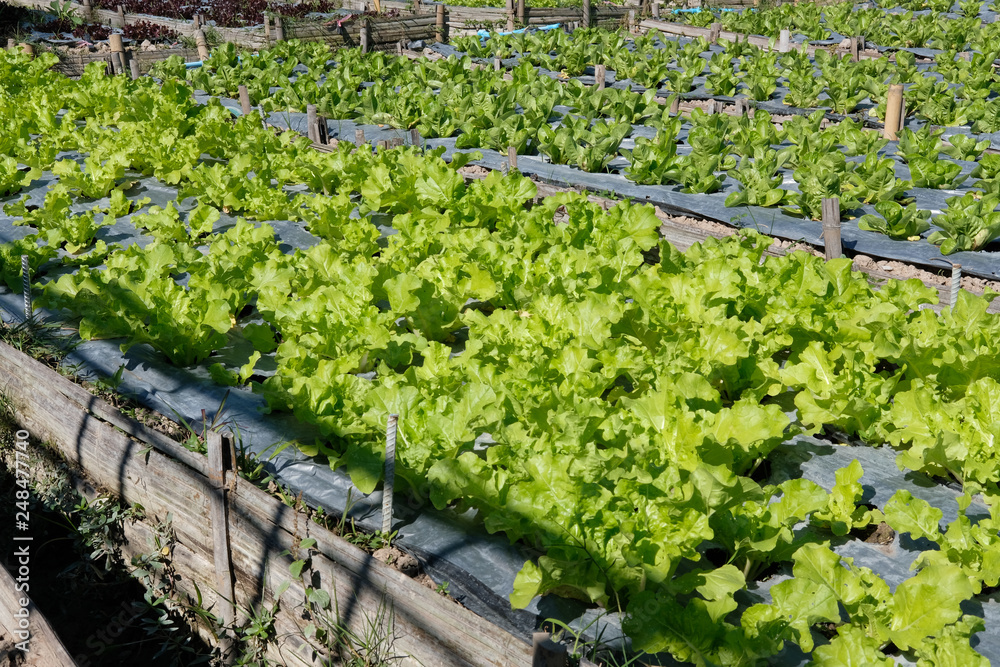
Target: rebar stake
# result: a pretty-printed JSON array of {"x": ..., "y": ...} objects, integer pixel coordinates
[
  {"x": 956, "y": 282},
  {"x": 390, "y": 473},
  {"x": 26, "y": 276}
]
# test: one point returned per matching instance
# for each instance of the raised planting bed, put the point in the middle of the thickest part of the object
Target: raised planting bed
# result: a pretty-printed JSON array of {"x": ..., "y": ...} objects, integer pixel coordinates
[{"x": 231, "y": 536}]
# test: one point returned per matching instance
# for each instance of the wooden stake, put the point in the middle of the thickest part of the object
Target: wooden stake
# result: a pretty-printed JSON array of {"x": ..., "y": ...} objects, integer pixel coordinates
[
  {"x": 244, "y": 100},
  {"x": 783, "y": 40},
  {"x": 220, "y": 463},
  {"x": 893, "y": 109},
  {"x": 656, "y": 10},
  {"x": 831, "y": 228},
  {"x": 390, "y": 473},
  {"x": 365, "y": 36},
  {"x": 197, "y": 21},
  {"x": 28, "y": 50},
  {"x": 510, "y": 15},
  {"x": 439, "y": 33},
  {"x": 133, "y": 66},
  {"x": 359, "y": 137},
  {"x": 11, "y": 44},
  {"x": 545, "y": 652},
  {"x": 279, "y": 30},
  {"x": 520, "y": 12},
  {"x": 586, "y": 14},
  {"x": 121, "y": 16},
  {"x": 118, "y": 63},
  {"x": 675, "y": 103},
  {"x": 512, "y": 157},
  {"x": 854, "y": 49},
  {"x": 115, "y": 42},
  {"x": 312, "y": 123},
  {"x": 267, "y": 29},
  {"x": 714, "y": 31},
  {"x": 202, "y": 43},
  {"x": 414, "y": 137},
  {"x": 600, "y": 74},
  {"x": 88, "y": 11}
]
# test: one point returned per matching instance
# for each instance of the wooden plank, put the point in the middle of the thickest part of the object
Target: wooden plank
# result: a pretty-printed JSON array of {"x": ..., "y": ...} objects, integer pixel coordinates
[
  {"x": 430, "y": 628},
  {"x": 261, "y": 522},
  {"x": 45, "y": 648}
]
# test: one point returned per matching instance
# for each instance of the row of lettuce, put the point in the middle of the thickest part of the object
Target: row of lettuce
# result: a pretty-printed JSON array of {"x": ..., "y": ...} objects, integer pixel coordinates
[
  {"x": 793, "y": 165},
  {"x": 634, "y": 406}
]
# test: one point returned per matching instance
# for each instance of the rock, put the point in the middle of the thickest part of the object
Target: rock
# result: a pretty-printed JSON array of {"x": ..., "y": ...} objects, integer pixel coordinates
[
  {"x": 386, "y": 555},
  {"x": 845, "y": 43},
  {"x": 146, "y": 44}
]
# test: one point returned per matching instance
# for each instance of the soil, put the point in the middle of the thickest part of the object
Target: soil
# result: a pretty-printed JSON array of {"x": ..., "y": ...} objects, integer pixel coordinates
[
  {"x": 883, "y": 535},
  {"x": 99, "y": 614}
]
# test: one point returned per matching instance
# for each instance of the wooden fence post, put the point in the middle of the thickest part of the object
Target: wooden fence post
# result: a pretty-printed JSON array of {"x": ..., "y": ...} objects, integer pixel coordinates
[
  {"x": 221, "y": 455},
  {"x": 545, "y": 652},
  {"x": 893, "y": 111},
  {"x": 714, "y": 31},
  {"x": 831, "y": 228},
  {"x": 117, "y": 52},
  {"x": 365, "y": 36},
  {"x": 440, "y": 32}
]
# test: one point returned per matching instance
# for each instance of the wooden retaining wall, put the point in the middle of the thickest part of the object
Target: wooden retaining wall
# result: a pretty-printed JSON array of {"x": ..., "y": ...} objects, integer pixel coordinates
[
  {"x": 384, "y": 31},
  {"x": 124, "y": 457},
  {"x": 72, "y": 64}
]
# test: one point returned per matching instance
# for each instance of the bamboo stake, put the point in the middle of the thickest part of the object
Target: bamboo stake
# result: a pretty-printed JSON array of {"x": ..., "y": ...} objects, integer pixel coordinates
[
  {"x": 245, "y": 100},
  {"x": 893, "y": 109},
  {"x": 202, "y": 43}
]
